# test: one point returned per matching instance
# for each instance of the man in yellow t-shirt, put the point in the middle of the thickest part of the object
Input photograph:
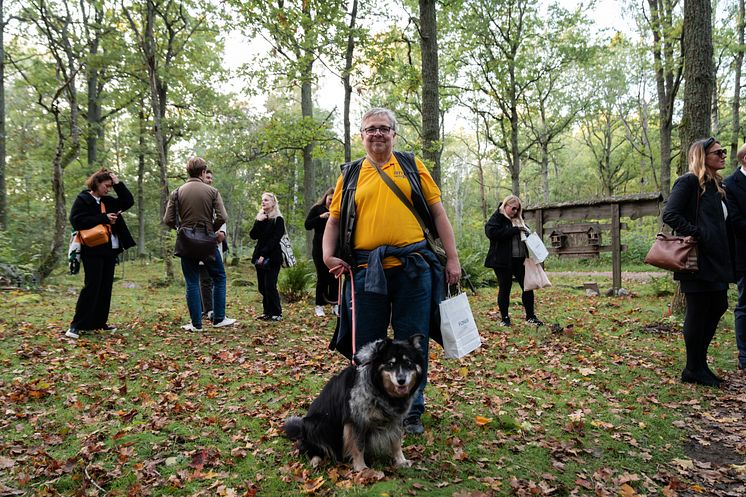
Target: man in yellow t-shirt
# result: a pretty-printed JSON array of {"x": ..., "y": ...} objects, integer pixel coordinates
[{"x": 384, "y": 246}]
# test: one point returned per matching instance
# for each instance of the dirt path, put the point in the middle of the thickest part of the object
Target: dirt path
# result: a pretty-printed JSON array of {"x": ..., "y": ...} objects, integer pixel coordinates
[{"x": 629, "y": 276}]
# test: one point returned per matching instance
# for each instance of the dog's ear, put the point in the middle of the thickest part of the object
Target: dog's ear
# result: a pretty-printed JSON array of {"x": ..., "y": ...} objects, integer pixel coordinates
[
  {"x": 368, "y": 352},
  {"x": 416, "y": 341}
]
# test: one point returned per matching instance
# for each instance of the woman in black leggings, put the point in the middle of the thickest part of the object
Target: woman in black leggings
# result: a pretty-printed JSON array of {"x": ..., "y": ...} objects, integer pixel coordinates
[
  {"x": 697, "y": 207},
  {"x": 327, "y": 286},
  {"x": 506, "y": 255}
]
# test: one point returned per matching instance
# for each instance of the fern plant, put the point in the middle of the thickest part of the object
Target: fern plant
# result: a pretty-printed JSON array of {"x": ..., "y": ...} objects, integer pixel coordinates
[{"x": 295, "y": 281}]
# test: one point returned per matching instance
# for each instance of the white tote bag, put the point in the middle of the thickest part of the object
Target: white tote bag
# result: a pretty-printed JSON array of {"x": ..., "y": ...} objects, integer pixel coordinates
[
  {"x": 537, "y": 251},
  {"x": 460, "y": 335},
  {"x": 534, "y": 276}
]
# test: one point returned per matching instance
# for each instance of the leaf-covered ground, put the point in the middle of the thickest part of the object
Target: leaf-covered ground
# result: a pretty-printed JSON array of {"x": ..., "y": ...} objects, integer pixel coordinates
[{"x": 589, "y": 405}]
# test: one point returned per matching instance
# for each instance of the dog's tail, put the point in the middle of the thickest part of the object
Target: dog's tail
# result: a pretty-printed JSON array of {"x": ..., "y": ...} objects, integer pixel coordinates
[{"x": 293, "y": 428}]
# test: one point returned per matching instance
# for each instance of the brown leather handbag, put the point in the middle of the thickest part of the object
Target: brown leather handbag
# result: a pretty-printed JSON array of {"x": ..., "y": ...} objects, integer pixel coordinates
[
  {"x": 98, "y": 235},
  {"x": 674, "y": 253}
]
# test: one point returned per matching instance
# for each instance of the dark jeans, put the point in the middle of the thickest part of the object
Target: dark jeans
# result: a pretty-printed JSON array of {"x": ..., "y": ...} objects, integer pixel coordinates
[
  {"x": 92, "y": 309},
  {"x": 267, "y": 284},
  {"x": 406, "y": 308},
  {"x": 740, "y": 315},
  {"x": 505, "y": 283},
  {"x": 327, "y": 286},
  {"x": 205, "y": 288},
  {"x": 703, "y": 313},
  {"x": 190, "y": 268}
]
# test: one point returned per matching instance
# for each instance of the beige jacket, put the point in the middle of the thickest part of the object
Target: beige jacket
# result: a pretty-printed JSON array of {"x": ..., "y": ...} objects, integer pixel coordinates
[{"x": 199, "y": 203}]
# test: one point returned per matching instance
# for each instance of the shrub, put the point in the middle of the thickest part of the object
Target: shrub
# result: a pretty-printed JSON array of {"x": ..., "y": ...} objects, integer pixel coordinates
[{"x": 294, "y": 281}]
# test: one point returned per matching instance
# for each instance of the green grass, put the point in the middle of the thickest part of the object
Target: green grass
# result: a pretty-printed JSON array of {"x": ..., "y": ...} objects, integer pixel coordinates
[{"x": 154, "y": 410}]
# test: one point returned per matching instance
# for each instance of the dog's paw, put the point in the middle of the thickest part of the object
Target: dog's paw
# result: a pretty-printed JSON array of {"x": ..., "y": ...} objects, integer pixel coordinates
[
  {"x": 403, "y": 463},
  {"x": 359, "y": 467},
  {"x": 315, "y": 461}
]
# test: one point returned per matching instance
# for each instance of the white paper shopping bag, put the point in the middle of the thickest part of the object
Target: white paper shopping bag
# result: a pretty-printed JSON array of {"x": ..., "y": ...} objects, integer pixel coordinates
[{"x": 457, "y": 325}]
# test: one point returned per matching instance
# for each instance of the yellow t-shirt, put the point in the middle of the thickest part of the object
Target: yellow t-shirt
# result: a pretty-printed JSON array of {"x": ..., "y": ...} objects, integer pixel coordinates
[{"x": 381, "y": 218}]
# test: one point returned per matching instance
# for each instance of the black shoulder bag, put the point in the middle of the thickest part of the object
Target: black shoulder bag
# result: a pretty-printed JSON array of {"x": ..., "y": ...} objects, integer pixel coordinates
[{"x": 195, "y": 242}]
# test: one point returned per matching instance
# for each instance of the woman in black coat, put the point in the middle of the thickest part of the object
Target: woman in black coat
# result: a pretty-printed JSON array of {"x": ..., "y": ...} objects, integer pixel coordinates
[
  {"x": 267, "y": 257},
  {"x": 92, "y": 309},
  {"x": 697, "y": 207},
  {"x": 506, "y": 255},
  {"x": 327, "y": 286}
]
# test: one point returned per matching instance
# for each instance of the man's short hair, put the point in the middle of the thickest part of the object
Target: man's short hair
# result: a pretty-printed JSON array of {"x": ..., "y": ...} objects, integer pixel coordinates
[
  {"x": 380, "y": 111},
  {"x": 195, "y": 166},
  {"x": 209, "y": 171},
  {"x": 741, "y": 153}
]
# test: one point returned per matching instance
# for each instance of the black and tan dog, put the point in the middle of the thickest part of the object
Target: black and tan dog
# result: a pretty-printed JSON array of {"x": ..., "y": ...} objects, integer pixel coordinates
[{"x": 358, "y": 414}]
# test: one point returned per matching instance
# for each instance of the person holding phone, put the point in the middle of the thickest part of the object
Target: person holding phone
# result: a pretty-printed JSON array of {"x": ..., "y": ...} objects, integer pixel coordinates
[{"x": 94, "y": 301}]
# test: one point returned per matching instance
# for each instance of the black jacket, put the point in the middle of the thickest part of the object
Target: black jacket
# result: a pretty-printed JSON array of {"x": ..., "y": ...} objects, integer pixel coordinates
[
  {"x": 86, "y": 213},
  {"x": 735, "y": 186},
  {"x": 500, "y": 231},
  {"x": 318, "y": 225},
  {"x": 709, "y": 228},
  {"x": 267, "y": 234}
]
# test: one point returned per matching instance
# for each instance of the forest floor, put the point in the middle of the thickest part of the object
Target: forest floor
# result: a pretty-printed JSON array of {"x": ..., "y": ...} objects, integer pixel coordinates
[{"x": 589, "y": 405}]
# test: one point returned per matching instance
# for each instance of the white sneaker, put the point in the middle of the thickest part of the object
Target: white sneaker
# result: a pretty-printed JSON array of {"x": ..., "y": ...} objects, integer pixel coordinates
[
  {"x": 335, "y": 310},
  {"x": 72, "y": 333},
  {"x": 225, "y": 322},
  {"x": 319, "y": 311},
  {"x": 190, "y": 327}
]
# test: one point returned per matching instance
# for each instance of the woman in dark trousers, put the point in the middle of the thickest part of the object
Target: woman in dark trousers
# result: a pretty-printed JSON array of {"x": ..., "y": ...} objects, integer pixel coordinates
[
  {"x": 267, "y": 257},
  {"x": 697, "y": 207},
  {"x": 327, "y": 286},
  {"x": 506, "y": 255},
  {"x": 92, "y": 309}
]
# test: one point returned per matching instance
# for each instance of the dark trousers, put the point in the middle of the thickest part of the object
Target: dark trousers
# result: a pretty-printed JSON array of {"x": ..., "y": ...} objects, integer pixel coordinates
[
  {"x": 205, "y": 288},
  {"x": 703, "y": 313},
  {"x": 92, "y": 309},
  {"x": 327, "y": 286},
  {"x": 267, "y": 284},
  {"x": 505, "y": 283}
]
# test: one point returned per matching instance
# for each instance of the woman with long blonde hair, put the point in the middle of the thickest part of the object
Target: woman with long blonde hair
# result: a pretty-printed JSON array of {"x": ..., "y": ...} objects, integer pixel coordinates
[
  {"x": 506, "y": 256},
  {"x": 697, "y": 206},
  {"x": 269, "y": 226}
]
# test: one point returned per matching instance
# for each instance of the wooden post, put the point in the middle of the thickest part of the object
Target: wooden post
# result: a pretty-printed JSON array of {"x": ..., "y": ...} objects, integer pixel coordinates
[{"x": 616, "y": 249}]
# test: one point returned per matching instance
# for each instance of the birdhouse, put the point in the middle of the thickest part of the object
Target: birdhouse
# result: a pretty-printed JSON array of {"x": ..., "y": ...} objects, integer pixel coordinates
[
  {"x": 557, "y": 239},
  {"x": 594, "y": 236}
]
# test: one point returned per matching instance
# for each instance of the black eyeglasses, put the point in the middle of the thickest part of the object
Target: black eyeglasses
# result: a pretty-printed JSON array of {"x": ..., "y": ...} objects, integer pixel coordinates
[
  {"x": 384, "y": 130},
  {"x": 722, "y": 153}
]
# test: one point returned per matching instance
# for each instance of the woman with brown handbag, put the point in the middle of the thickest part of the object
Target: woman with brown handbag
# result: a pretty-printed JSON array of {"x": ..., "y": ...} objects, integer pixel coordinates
[
  {"x": 93, "y": 207},
  {"x": 697, "y": 207}
]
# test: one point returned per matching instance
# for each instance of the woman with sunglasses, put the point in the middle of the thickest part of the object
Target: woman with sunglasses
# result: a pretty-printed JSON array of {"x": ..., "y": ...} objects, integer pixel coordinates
[
  {"x": 697, "y": 207},
  {"x": 269, "y": 226},
  {"x": 506, "y": 255}
]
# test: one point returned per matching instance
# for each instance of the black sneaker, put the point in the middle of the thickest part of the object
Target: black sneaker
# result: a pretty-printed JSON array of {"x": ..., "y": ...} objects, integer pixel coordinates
[
  {"x": 109, "y": 328},
  {"x": 535, "y": 321},
  {"x": 413, "y": 426},
  {"x": 263, "y": 317},
  {"x": 504, "y": 322}
]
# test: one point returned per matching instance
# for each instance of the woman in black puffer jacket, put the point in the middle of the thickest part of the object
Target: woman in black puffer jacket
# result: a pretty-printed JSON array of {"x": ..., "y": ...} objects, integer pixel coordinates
[
  {"x": 506, "y": 255},
  {"x": 697, "y": 207},
  {"x": 92, "y": 309}
]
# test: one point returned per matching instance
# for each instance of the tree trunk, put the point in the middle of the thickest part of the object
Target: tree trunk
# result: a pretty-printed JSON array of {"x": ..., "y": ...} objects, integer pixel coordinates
[
  {"x": 738, "y": 65},
  {"x": 140, "y": 180},
  {"x": 698, "y": 75},
  {"x": 158, "y": 106},
  {"x": 346, "y": 82},
  {"x": 3, "y": 194},
  {"x": 309, "y": 176},
  {"x": 430, "y": 99}
]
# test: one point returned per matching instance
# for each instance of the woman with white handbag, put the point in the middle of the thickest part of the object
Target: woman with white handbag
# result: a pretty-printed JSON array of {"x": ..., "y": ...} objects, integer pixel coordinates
[{"x": 506, "y": 256}]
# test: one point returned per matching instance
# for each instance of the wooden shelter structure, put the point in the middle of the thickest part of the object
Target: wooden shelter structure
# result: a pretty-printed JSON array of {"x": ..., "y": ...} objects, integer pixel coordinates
[{"x": 602, "y": 209}]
